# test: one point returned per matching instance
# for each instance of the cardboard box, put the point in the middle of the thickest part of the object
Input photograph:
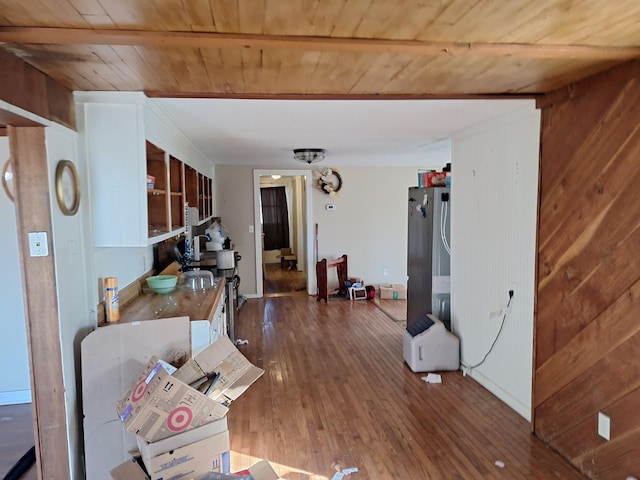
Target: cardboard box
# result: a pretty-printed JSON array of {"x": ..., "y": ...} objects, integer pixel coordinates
[
  {"x": 112, "y": 357},
  {"x": 259, "y": 471},
  {"x": 236, "y": 373},
  {"x": 393, "y": 291},
  {"x": 157, "y": 405},
  {"x": 190, "y": 454},
  {"x": 209, "y": 453},
  {"x": 436, "y": 179}
]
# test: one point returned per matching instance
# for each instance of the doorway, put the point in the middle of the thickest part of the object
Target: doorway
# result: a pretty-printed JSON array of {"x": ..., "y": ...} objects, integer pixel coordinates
[{"x": 275, "y": 274}]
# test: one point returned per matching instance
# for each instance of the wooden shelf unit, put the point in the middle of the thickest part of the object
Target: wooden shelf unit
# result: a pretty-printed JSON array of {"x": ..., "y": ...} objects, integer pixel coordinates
[
  {"x": 158, "y": 210},
  {"x": 198, "y": 192},
  {"x": 176, "y": 192}
]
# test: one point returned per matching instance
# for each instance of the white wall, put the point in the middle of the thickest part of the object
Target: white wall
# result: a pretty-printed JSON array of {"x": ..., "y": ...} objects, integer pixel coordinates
[
  {"x": 73, "y": 283},
  {"x": 493, "y": 233},
  {"x": 14, "y": 382},
  {"x": 234, "y": 204},
  {"x": 369, "y": 223}
]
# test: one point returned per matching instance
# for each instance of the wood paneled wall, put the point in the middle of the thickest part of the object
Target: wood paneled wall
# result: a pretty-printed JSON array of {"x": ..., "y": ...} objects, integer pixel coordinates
[
  {"x": 25, "y": 87},
  {"x": 588, "y": 291}
]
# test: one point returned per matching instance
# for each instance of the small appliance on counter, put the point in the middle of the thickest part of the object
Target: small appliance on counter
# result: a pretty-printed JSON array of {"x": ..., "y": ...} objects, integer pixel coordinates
[{"x": 217, "y": 235}]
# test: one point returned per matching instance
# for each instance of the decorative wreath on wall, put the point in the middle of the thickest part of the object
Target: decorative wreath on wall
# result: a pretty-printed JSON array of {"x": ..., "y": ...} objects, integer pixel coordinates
[{"x": 330, "y": 182}]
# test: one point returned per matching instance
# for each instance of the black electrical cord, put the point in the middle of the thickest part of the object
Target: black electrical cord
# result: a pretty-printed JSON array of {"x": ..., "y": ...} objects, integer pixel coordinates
[
  {"x": 504, "y": 318},
  {"x": 22, "y": 465}
]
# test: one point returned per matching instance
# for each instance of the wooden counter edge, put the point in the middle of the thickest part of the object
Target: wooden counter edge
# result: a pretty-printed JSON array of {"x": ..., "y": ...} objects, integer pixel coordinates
[{"x": 132, "y": 294}]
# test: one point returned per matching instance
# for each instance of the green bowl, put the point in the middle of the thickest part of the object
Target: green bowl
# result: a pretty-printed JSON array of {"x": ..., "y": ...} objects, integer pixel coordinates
[{"x": 162, "y": 283}]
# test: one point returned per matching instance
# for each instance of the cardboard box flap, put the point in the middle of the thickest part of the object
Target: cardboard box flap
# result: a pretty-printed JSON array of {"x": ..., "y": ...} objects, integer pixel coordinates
[
  {"x": 129, "y": 470},
  {"x": 235, "y": 372},
  {"x": 157, "y": 405},
  {"x": 263, "y": 471}
]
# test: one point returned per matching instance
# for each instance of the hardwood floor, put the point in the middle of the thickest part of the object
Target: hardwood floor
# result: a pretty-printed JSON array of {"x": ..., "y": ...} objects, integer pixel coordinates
[
  {"x": 281, "y": 282},
  {"x": 16, "y": 437},
  {"x": 396, "y": 309},
  {"x": 337, "y": 394}
]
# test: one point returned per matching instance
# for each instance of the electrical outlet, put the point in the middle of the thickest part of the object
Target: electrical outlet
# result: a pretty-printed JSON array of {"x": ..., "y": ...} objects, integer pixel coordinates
[
  {"x": 385, "y": 272},
  {"x": 604, "y": 426}
]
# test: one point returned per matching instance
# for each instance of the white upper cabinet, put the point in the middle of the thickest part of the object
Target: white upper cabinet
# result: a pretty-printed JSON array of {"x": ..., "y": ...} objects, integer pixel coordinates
[{"x": 124, "y": 141}]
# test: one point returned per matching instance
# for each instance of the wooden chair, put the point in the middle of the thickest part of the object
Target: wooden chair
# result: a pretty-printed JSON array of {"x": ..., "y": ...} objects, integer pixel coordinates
[{"x": 321, "y": 277}]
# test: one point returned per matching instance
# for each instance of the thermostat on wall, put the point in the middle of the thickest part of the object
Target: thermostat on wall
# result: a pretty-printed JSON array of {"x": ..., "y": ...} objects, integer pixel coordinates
[{"x": 330, "y": 206}]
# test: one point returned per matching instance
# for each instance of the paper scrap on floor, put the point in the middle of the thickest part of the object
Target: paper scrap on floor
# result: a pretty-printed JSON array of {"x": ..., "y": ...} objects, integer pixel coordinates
[
  {"x": 341, "y": 474},
  {"x": 433, "y": 378}
]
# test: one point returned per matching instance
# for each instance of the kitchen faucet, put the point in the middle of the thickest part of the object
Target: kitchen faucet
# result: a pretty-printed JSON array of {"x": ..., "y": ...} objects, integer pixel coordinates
[{"x": 196, "y": 245}]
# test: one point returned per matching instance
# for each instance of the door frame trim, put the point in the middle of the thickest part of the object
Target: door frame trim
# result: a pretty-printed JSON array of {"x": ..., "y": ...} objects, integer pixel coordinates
[{"x": 307, "y": 177}]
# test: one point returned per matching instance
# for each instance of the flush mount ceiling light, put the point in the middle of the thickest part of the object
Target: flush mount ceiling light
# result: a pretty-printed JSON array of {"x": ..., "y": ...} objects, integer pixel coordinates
[
  {"x": 276, "y": 177},
  {"x": 308, "y": 155}
]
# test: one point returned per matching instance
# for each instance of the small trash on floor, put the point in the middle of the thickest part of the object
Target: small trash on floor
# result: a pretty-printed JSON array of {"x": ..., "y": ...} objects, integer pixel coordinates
[
  {"x": 240, "y": 341},
  {"x": 433, "y": 378},
  {"x": 344, "y": 472},
  {"x": 499, "y": 463}
]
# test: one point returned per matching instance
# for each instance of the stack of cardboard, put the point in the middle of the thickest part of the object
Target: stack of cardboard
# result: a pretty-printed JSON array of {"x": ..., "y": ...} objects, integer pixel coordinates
[{"x": 181, "y": 432}]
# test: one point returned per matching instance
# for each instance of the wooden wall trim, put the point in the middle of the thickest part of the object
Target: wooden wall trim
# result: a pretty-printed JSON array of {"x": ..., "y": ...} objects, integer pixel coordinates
[
  {"x": 570, "y": 92},
  {"x": 41, "y": 303},
  {"x": 25, "y": 87}
]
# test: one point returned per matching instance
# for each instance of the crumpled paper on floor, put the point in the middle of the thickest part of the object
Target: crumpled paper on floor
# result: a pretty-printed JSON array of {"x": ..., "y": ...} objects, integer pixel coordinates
[{"x": 433, "y": 378}]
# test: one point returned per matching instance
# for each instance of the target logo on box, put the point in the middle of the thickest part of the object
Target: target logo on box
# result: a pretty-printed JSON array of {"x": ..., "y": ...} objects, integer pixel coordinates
[{"x": 158, "y": 406}]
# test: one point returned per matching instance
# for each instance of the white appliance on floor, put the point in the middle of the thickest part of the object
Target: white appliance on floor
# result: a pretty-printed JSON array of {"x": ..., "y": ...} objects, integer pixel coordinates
[{"x": 429, "y": 347}]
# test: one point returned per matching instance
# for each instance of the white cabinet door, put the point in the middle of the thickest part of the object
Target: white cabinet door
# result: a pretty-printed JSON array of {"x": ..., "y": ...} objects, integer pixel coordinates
[
  {"x": 219, "y": 322},
  {"x": 114, "y": 143}
]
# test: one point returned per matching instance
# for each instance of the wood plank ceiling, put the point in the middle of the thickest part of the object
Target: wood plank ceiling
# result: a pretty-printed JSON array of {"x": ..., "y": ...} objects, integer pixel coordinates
[{"x": 311, "y": 48}]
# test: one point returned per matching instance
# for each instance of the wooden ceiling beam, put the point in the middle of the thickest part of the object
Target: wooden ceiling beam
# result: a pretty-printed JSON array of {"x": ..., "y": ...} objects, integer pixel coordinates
[
  {"x": 343, "y": 96},
  {"x": 78, "y": 36}
]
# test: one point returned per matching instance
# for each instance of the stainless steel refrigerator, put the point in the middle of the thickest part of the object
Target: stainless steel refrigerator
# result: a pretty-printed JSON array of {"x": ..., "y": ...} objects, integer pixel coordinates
[{"x": 428, "y": 254}]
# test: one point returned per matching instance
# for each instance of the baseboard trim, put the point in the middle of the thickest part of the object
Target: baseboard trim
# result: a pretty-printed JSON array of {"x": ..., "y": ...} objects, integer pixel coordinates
[
  {"x": 515, "y": 404},
  {"x": 16, "y": 397}
]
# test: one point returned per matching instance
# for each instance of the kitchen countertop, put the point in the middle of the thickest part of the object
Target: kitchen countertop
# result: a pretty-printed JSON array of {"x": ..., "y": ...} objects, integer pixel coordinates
[{"x": 197, "y": 305}]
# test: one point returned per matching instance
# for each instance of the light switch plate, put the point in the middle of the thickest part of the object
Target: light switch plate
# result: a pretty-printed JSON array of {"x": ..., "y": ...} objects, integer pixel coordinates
[
  {"x": 604, "y": 426},
  {"x": 38, "y": 245}
]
